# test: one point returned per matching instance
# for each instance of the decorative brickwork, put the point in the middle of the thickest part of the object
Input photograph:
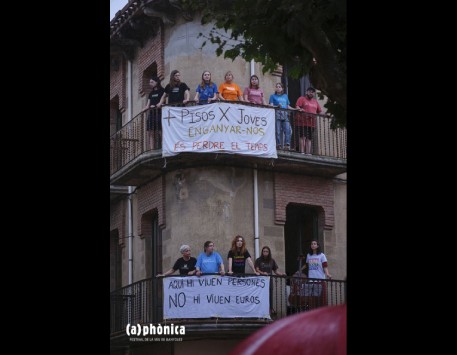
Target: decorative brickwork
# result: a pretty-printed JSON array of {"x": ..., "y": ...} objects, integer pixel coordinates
[
  {"x": 118, "y": 84},
  {"x": 146, "y": 223},
  {"x": 308, "y": 190},
  {"x": 151, "y": 55},
  {"x": 117, "y": 220},
  {"x": 151, "y": 197}
]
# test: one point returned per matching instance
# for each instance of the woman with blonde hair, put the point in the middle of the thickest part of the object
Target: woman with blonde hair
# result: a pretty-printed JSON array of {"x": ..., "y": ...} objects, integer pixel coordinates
[{"x": 228, "y": 90}]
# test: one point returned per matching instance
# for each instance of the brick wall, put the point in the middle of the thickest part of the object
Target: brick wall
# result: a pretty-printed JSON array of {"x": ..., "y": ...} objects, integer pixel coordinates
[
  {"x": 152, "y": 52},
  {"x": 308, "y": 190},
  {"x": 150, "y": 197},
  {"x": 117, "y": 220},
  {"x": 118, "y": 84}
]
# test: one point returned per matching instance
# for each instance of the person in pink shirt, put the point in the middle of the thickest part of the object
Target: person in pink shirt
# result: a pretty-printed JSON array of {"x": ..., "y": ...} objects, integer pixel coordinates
[
  {"x": 253, "y": 93},
  {"x": 306, "y": 124}
]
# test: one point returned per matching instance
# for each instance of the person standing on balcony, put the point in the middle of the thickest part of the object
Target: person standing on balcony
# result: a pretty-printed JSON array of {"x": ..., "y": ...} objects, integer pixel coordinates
[
  {"x": 185, "y": 265},
  {"x": 209, "y": 261},
  {"x": 154, "y": 120},
  {"x": 283, "y": 130},
  {"x": 306, "y": 124},
  {"x": 229, "y": 91},
  {"x": 266, "y": 265},
  {"x": 176, "y": 90},
  {"x": 316, "y": 263},
  {"x": 298, "y": 292},
  {"x": 253, "y": 93},
  {"x": 206, "y": 90},
  {"x": 237, "y": 257}
]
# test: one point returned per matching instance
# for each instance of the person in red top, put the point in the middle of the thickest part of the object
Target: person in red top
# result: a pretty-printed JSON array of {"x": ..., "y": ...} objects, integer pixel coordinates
[{"x": 306, "y": 124}]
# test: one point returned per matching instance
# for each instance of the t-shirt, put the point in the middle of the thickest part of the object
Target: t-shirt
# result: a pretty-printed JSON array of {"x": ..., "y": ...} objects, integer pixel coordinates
[
  {"x": 267, "y": 267},
  {"x": 315, "y": 268},
  {"x": 230, "y": 91},
  {"x": 283, "y": 102},
  {"x": 209, "y": 264},
  {"x": 155, "y": 96},
  {"x": 185, "y": 266},
  {"x": 238, "y": 261},
  {"x": 311, "y": 106},
  {"x": 254, "y": 95},
  {"x": 176, "y": 94},
  {"x": 207, "y": 92}
]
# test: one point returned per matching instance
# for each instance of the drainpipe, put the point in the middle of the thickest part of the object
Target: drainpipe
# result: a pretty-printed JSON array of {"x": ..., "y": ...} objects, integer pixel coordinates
[
  {"x": 129, "y": 200},
  {"x": 130, "y": 234},
  {"x": 256, "y": 214},
  {"x": 256, "y": 195}
]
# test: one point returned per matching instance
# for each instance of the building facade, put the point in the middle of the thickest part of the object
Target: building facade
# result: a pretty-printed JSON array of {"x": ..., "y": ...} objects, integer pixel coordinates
[{"x": 157, "y": 204}]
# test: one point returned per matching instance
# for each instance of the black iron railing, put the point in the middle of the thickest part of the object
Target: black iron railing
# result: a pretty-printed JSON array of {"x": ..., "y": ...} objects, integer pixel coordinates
[
  {"x": 141, "y": 302},
  {"x": 143, "y": 133}
]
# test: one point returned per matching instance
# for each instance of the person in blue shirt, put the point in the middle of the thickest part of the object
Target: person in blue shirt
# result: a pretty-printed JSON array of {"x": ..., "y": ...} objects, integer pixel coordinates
[
  {"x": 206, "y": 90},
  {"x": 281, "y": 100},
  {"x": 209, "y": 261}
]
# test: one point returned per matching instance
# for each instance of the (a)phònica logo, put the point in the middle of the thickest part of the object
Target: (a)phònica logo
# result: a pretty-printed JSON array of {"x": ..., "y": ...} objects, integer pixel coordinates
[{"x": 138, "y": 329}]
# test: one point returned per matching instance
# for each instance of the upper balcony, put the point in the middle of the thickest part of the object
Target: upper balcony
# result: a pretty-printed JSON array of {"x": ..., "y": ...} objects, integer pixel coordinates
[{"x": 136, "y": 150}]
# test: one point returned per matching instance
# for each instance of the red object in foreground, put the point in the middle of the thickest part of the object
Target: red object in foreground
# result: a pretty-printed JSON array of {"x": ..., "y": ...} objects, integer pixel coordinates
[{"x": 321, "y": 331}]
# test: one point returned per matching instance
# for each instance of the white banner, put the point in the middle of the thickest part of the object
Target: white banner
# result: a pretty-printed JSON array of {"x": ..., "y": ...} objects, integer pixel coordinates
[
  {"x": 216, "y": 296},
  {"x": 219, "y": 127}
]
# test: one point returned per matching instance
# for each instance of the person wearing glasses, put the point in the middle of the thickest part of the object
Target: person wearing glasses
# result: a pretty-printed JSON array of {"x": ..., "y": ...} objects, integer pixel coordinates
[
  {"x": 185, "y": 265},
  {"x": 209, "y": 261}
]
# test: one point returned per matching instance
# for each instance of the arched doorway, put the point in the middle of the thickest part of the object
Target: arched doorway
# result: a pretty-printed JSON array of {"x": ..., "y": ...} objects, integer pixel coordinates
[
  {"x": 153, "y": 247},
  {"x": 300, "y": 228},
  {"x": 153, "y": 242}
]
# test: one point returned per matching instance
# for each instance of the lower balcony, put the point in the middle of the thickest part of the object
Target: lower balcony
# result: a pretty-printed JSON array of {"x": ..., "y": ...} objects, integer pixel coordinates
[{"x": 141, "y": 305}]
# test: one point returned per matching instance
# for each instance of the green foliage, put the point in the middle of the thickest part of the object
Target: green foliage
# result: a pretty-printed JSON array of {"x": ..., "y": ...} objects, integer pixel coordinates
[{"x": 286, "y": 32}]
